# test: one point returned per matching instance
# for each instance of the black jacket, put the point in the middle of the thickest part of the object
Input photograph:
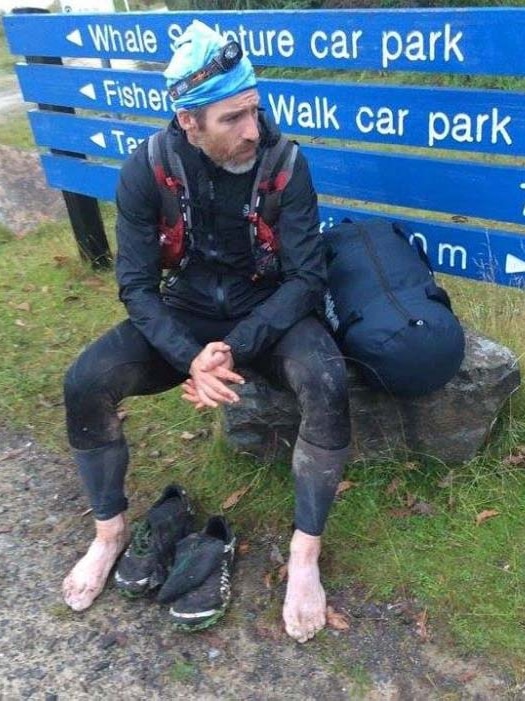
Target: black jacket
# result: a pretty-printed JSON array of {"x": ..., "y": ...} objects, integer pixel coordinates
[{"x": 217, "y": 281}]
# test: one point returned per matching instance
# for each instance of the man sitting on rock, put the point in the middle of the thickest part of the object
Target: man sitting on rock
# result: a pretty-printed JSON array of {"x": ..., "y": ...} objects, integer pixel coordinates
[{"x": 243, "y": 293}]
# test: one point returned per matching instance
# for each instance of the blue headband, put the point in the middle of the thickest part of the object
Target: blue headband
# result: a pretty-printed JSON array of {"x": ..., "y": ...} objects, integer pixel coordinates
[{"x": 196, "y": 48}]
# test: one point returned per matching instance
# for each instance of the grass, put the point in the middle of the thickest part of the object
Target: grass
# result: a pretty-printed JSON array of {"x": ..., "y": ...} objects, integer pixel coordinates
[
  {"x": 469, "y": 577},
  {"x": 182, "y": 671},
  {"x": 16, "y": 133},
  {"x": 7, "y": 61}
]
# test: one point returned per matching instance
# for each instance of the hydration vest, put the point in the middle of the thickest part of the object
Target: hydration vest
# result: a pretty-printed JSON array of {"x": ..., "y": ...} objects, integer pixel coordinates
[{"x": 175, "y": 225}]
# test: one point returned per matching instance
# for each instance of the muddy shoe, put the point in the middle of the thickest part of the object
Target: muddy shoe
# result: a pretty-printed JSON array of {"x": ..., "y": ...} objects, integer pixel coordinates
[
  {"x": 148, "y": 559},
  {"x": 199, "y": 584}
]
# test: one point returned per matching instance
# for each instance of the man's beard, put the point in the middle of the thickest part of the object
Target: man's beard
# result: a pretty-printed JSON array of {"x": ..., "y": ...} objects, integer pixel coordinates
[{"x": 239, "y": 168}]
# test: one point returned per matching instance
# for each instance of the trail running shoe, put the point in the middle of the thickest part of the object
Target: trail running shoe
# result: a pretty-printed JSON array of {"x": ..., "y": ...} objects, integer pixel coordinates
[
  {"x": 148, "y": 559},
  {"x": 202, "y": 574}
]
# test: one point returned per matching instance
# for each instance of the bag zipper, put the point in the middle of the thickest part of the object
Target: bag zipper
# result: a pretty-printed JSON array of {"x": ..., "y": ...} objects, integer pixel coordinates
[{"x": 395, "y": 302}]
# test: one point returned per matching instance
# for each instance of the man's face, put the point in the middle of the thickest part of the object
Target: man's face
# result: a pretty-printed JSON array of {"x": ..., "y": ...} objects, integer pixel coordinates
[{"x": 230, "y": 132}]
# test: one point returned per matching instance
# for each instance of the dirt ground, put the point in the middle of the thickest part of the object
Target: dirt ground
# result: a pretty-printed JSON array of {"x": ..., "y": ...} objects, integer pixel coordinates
[{"x": 128, "y": 650}]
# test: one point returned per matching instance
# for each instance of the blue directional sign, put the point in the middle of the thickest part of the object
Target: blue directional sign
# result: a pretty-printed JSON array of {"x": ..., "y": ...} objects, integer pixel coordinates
[
  {"x": 480, "y": 190},
  {"x": 489, "y": 121},
  {"x": 494, "y": 192},
  {"x": 370, "y": 146},
  {"x": 489, "y": 255},
  {"x": 104, "y": 138},
  {"x": 458, "y": 41}
]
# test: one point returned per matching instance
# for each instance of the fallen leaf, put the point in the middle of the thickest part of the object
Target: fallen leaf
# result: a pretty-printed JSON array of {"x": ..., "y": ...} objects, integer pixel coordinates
[
  {"x": 268, "y": 632},
  {"x": 400, "y": 513},
  {"x": 344, "y": 486},
  {"x": 393, "y": 486},
  {"x": 71, "y": 298},
  {"x": 122, "y": 414},
  {"x": 421, "y": 625},
  {"x": 94, "y": 282},
  {"x": 188, "y": 436},
  {"x": 234, "y": 497},
  {"x": 335, "y": 620},
  {"x": 411, "y": 466},
  {"x": 243, "y": 548},
  {"x": 44, "y": 289},
  {"x": 484, "y": 515},
  {"x": 23, "y": 306},
  {"x": 13, "y": 453},
  {"x": 410, "y": 499},
  {"x": 267, "y": 579},
  {"x": 282, "y": 573},
  {"x": 61, "y": 260},
  {"x": 446, "y": 481},
  {"x": 42, "y": 401},
  {"x": 19, "y": 322},
  {"x": 517, "y": 459},
  {"x": 467, "y": 676},
  {"x": 422, "y": 508}
]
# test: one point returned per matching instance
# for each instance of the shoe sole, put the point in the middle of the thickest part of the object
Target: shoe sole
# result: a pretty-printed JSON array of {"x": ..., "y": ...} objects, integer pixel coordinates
[
  {"x": 201, "y": 625},
  {"x": 126, "y": 594}
]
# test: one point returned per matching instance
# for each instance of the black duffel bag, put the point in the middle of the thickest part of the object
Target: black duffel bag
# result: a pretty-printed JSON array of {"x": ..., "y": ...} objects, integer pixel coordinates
[{"x": 389, "y": 316}]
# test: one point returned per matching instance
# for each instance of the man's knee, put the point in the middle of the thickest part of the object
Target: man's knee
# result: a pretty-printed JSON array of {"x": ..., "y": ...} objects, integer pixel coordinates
[
  {"x": 318, "y": 376},
  {"x": 84, "y": 380}
]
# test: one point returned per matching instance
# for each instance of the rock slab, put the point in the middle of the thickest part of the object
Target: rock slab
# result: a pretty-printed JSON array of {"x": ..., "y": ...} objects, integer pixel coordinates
[{"x": 450, "y": 425}]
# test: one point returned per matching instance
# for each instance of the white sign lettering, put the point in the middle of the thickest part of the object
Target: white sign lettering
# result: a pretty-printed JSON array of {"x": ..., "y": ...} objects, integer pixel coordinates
[
  {"x": 125, "y": 144},
  {"x": 338, "y": 45},
  {"x": 465, "y": 128},
  {"x": 417, "y": 47},
  {"x": 254, "y": 42},
  {"x": 452, "y": 251},
  {"x": 106, "y": 37},
  {"x": 421, "y": 238},
  {"x": 385, "y": 121},
  {"x": 134, "y": 96},
  {"x": 315, "y": 114}
]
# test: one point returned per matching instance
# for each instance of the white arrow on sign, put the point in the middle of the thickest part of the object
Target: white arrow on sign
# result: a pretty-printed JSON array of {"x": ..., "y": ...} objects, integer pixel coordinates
[
  {"x": 89, "y": 91},
  {"x": 75, "y": 37},
  {"x": 514, "y": 264},
  {"x": 99, "y": 139}
]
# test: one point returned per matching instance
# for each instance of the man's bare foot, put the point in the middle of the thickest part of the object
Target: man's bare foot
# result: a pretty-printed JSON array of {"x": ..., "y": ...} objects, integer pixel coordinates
[
  {"x": 304, "y": 610},
  {"x": 88, "y": 577}
]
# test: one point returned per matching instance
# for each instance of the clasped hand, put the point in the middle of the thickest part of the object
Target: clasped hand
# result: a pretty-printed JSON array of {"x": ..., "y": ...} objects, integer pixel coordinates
[{"x": 210, "y": 372}]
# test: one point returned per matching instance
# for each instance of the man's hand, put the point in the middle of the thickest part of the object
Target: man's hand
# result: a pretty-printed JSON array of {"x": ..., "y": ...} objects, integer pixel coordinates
[{"x": 210, "y": 370}]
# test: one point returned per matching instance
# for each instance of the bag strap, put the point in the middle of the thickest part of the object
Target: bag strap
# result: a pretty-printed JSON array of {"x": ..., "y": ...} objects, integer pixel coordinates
[
  {"x": 171, "y": 178},
  {"x": 438, "y": 294},
  {"x": 273, "y": 175}
]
